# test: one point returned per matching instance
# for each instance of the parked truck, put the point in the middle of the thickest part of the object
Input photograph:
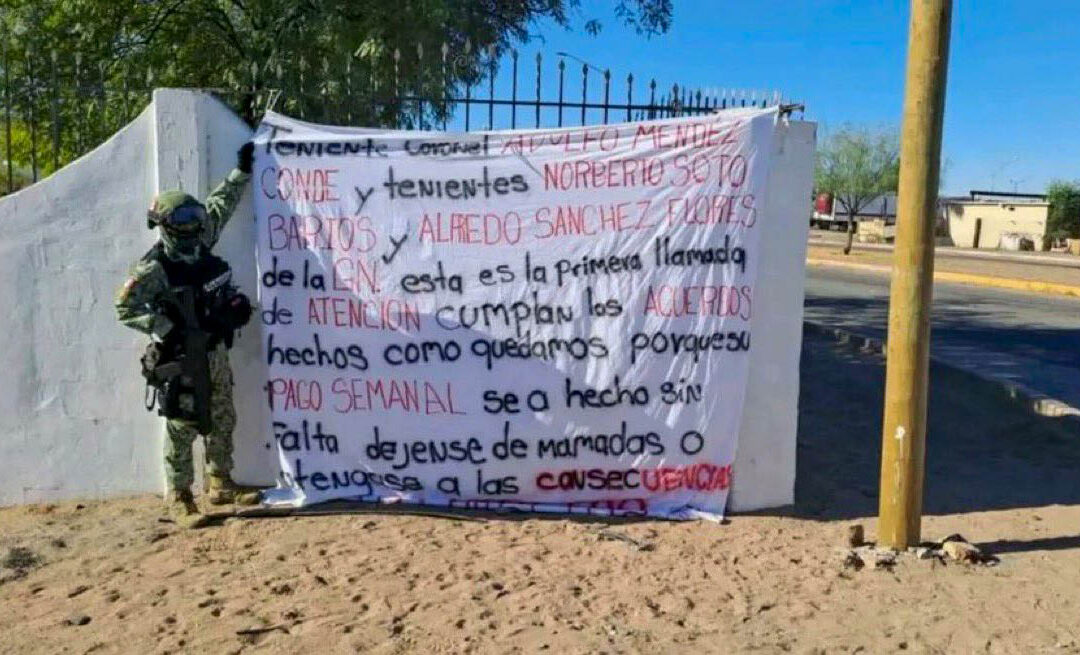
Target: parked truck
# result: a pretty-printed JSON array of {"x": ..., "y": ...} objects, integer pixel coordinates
[{"x": 829, "y": 213}]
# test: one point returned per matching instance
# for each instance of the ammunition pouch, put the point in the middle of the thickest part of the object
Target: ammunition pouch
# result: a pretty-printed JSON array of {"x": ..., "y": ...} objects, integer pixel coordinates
[{"x": 170, "y": 390}]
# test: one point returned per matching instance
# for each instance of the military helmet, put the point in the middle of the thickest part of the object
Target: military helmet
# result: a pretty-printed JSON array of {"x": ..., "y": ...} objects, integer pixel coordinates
[{"x": 177, "y": 212}]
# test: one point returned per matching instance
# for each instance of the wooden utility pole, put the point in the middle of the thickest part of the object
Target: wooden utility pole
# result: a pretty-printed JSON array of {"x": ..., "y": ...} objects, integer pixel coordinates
[{"x": 903, "y": 430}]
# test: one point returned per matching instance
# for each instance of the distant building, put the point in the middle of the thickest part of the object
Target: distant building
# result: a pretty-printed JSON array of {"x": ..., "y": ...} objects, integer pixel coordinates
[{"x": 993, "y": 219}]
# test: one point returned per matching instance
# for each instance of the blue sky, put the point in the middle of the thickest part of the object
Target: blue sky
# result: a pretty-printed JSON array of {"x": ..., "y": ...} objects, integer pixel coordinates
[{"x": 1011, "y": 115}]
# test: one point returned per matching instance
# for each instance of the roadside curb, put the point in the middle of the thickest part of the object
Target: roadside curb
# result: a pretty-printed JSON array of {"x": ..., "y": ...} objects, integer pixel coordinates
[
  {"x": 1030, "y": 400},
  {"x": 1029, "y": 286},
  {"x": 1069, "y": 261}
]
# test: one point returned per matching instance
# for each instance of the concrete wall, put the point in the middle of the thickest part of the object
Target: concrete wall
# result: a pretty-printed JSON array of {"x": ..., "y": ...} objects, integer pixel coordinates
[
  {"x": 765, "y": 460},
  {"x": 72, "y": 423},
  {"x": 71, "y": 417},
  {"x": 1028, "y": 219}
]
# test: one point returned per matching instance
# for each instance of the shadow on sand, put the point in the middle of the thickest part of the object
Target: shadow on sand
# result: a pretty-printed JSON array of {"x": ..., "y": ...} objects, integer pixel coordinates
[{"x": 983, "y": 451}]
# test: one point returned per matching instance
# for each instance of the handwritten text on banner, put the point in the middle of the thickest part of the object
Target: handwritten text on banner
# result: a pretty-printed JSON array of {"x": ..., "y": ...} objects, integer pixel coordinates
[{"x": 551, "y": 320}]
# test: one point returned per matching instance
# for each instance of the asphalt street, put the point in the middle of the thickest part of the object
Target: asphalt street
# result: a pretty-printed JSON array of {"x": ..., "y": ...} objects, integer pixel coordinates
[{"x": 1027, "y": 338}]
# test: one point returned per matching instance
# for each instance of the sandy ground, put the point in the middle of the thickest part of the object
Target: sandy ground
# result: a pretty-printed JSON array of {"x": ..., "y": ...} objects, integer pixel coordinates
[{"x": 773, "y": 583}]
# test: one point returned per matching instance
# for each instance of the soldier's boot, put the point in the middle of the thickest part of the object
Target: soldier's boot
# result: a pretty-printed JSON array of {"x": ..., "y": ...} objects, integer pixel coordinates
[
  {"x": 181, "y": 508},
  {"x": 223, "y": 491}
]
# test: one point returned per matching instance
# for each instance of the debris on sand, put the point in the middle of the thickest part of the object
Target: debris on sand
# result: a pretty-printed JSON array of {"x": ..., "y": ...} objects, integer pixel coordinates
[
  {"x": 851, "y": 560},
  {"x": 77, "y": 619},
  {"x": 854, "y": 536},
  {"x": 20, "y": 558},
  {"x": 958, "y": 549},
  {"x": 925, "y": 553},
  {"x": 611, "y": 535},
  {"x": 876, "y": 558},
  {"x": 18, "y": 561}
]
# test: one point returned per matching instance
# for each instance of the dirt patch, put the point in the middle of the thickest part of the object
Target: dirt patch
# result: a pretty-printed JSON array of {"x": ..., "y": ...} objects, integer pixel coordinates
[{"x": 113, "y": 579}]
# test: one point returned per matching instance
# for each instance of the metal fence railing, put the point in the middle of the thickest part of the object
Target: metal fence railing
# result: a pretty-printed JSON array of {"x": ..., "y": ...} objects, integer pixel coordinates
[{"x": 56, "y": 110}]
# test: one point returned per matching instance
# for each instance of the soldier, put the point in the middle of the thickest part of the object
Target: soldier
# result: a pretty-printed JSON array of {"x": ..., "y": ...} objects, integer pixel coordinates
[{"x": 180, "y": 265}]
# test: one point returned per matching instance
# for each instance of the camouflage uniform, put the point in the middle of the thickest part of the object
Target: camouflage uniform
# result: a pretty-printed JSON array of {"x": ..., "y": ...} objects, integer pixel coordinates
[{"x": 135, "y": 308}]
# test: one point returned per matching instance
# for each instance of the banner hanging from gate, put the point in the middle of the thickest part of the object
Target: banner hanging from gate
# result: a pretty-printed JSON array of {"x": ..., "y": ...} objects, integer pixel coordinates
[{"x": 537, "y": 320}]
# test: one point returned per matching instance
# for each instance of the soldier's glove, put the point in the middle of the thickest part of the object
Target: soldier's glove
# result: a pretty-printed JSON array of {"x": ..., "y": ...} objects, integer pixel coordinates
[
  {"x": 244, "y": 157},
  {"x": 238, "y": 311},
  {"x": 227, "y": 315}
]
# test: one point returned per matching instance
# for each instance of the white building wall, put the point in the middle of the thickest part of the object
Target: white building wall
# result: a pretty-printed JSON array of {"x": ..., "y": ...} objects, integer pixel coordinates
[
  {"x": 72, "y": 422},
  {"x": 996, "y": 220}
]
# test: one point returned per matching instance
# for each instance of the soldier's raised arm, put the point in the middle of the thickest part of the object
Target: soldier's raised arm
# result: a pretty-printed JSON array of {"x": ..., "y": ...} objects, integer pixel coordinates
[{"x": 222, "y": 201}]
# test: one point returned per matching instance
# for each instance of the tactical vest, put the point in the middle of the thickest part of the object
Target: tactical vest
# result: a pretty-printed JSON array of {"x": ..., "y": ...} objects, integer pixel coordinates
[{"x": 208, "y": 274}]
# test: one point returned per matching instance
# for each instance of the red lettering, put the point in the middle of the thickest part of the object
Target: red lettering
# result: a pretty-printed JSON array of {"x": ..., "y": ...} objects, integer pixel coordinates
[
  {"x": 285, "y": 394},
  {"x": 472, "y": 229},
  {"x": 309, "y": 185},
  {"x": 604, "y": 173},
  {"x": 339, "y": 234},
  {"x": 672, "y": 301},
  {"x": 395, "y": 395},
  {"x": 702, "y": 476},
  {"x": 374, "y": 314}
]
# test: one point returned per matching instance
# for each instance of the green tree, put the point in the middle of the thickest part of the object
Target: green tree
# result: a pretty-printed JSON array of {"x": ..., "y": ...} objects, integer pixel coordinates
[
  {"x": 856, "y": 165},
  {"x": 1063, "y": 221},
  {"x": 324, "y": 59}
]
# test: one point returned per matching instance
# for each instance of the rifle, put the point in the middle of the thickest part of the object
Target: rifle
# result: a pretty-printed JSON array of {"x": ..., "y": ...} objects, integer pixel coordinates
[{"x": 179, "y": 366}]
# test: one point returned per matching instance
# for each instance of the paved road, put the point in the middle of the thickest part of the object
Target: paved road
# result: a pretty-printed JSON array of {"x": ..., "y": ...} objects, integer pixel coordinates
[{"x": 1031, "y": 339}]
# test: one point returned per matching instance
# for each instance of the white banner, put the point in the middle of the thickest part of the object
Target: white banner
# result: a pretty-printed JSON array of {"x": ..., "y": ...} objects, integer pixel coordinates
[{"x": 550, "y": 320}]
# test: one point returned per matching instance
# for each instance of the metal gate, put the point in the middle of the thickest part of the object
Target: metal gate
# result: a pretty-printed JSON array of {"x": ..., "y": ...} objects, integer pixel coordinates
[{"x": 61, "y": 109}]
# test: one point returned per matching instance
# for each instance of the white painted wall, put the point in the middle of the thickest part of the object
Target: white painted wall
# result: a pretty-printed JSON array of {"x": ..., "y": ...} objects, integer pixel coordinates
[
  {"x": 72, "y": 422},
  {"x": 764, "y": 471},
  {"x": 71, "y": 416}
]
